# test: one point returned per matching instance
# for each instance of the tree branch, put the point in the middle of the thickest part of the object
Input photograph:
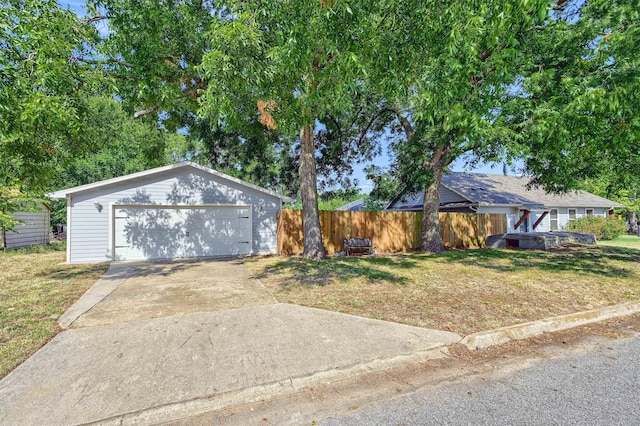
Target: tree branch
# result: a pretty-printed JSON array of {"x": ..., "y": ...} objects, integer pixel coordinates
[
  {"x": 404, "y": 122},
  {"x": 104, "y": 61},
  {"x": 95, "y": 19},
  {"x": 335, "y": 122},
  {"x": 364, "y": 132},
  {"x": 149, "y": 110}
]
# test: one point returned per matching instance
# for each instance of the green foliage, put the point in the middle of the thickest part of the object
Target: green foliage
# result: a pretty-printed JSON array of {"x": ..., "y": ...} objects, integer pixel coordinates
[
  {"x": 296, "y": 63},
  {"x": 44, "y": 82},
  {"x": 450, "y": 67},
  {"x": 331, "y": 200},
  {"x": 603, "y": 228},
  {"x": 386, "y": 187},
  {"x": 306, "y": 58},
  {"x": 578, "y": 116},
  {"x": 154, "y": 50},
  {"x": 42, "y": 89},
  {"x": 121, "y": 145},
  {"x": 617, "y": 185},
  {"x": 12, "y": 201}
]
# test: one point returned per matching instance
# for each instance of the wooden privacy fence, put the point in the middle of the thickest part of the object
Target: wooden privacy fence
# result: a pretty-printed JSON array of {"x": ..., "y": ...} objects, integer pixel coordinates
[{"x": 390, "y": 231}]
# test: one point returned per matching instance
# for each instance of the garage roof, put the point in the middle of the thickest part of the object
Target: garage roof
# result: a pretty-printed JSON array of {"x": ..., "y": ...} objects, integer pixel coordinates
[{"x": 96, "y": 185}]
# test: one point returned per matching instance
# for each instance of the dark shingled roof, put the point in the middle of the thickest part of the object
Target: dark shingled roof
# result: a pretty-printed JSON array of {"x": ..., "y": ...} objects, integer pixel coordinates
[{"x": 499, "y": 190}]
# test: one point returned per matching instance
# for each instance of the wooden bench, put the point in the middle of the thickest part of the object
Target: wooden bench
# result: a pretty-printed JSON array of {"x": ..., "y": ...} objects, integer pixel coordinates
[{"x": 358, "y": 246}]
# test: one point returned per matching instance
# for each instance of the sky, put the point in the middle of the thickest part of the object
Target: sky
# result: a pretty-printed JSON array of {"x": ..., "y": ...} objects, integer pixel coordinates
[{"x": 383, "y": 160}]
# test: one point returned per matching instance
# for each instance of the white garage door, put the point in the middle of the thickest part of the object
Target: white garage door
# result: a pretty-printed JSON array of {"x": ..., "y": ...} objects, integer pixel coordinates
[{"x": 151, "y": 232}]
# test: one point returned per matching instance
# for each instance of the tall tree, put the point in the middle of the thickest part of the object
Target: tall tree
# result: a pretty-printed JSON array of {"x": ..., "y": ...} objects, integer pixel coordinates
[
  {"x": 579, "y": 115},
  {"x": 457, "y": 60},
  {"x": 297, "y": 62},
  {"x": 154, "y": 51},
  {"x": 43, "y": 89}
]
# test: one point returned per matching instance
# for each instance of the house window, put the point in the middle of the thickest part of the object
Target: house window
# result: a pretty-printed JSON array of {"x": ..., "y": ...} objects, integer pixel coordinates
[
  {"x": 553, "y": 219},
  {"x": 589, "y": 212},
  {"x": 572, "y": 214}
]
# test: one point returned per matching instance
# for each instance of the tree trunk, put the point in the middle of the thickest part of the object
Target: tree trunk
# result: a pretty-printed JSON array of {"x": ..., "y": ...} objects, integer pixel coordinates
[
  {"x": 313, "y": 248},
  {"x": 430, "y": 239},
  {"x": 632, "y": 222}
]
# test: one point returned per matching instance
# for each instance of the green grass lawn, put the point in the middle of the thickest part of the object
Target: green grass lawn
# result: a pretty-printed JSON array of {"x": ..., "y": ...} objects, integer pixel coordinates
[
  {"x": 460, "y": 290},
  {"x": 36, "y": 287},
  {"x": 464, "y": 291},
  {"x": 626, "y": 241}
]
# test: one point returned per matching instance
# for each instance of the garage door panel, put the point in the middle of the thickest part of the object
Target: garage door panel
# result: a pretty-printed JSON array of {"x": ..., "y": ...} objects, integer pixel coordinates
[{"x": 164, "y": 232}]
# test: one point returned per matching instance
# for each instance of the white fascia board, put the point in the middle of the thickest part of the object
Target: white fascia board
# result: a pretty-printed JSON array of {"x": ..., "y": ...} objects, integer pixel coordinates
[{"x": 96, "y": 185}]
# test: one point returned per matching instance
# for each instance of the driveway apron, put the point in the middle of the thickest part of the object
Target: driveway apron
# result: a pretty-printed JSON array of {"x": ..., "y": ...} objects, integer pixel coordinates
[
  {"x": 162, "y": 289},
  {"x": 167, "y": 341}
]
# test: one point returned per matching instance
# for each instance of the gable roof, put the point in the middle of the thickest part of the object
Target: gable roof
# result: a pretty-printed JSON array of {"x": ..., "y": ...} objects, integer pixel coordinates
[
  {"x": 480, "y": 189},
  {"x": 353, "y": 206},
  {"x": 184, "y": 164}
]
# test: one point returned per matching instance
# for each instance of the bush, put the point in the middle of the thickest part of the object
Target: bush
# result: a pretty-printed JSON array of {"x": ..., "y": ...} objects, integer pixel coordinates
[{"x": 603, "y": 228}]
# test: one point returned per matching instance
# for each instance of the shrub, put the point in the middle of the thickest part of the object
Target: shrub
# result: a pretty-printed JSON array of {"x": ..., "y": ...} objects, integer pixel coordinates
[{"x": 603, "y": 228}]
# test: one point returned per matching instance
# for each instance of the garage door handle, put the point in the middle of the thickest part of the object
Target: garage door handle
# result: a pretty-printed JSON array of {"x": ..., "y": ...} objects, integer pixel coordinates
[{"x": 243, "y": 242}]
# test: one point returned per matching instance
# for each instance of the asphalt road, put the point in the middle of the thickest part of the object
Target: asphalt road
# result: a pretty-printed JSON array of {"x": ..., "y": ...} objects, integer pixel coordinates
[{"x": 597, "y": 384}]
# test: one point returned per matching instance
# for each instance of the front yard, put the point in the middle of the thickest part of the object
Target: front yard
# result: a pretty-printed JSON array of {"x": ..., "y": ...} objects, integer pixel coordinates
[
  {"x": 463, "y": 291},
  {"x": 36, "y": 287},
  {"x": 625, "y": 241}
]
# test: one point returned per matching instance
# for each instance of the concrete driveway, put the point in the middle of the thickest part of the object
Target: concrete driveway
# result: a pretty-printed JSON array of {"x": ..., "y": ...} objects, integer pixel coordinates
[
  {"x": 160, "y": 342},
  {"x": 161, "y": 289}
]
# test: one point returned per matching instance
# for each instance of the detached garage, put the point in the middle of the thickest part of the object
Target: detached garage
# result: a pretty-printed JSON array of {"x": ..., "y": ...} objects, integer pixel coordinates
[{"x": 179, "y": 211}]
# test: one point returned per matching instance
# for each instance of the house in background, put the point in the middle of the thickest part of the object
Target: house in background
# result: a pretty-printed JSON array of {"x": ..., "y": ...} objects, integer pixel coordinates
[
  {"x": 527, "y": 210},
  {"x": 354, "y": 206},
  {"x": 182, "y": 210},
  {"x": 34, "y": 230}
]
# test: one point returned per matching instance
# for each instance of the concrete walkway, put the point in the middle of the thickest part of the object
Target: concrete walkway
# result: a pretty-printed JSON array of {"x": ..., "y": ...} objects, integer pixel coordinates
[{"x": 136, "y": 358}]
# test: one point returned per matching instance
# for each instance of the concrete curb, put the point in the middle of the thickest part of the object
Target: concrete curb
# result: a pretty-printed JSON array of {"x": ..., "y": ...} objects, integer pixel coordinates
[
  {"x": 485, "y": 339},
  {"x": 115, "y": 275},
  {"x": 185, "y": 409}
]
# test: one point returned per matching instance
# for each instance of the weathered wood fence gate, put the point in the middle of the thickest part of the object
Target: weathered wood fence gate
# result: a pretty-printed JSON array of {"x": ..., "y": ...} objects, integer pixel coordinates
[{"x": 390, "y": 231}]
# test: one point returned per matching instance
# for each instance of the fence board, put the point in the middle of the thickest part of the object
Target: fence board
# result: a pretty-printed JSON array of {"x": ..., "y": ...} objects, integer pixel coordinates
[{"x": 390, "y": 232}]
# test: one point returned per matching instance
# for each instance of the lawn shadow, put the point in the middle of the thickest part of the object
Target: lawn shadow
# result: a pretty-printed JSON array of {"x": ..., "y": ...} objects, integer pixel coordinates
[
  {"x": 160, "y": 267},
  {"x": 320, "y": 273},
  {"x": 580, "y": 259},
  {"x": 71, "y": 271}
]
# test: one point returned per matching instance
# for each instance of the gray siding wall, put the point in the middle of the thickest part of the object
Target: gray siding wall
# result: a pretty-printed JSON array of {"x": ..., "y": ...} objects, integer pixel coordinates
[
  {"x": 448, "y": 196},
  {"x": 35, "y": 231},
  {"x": 513, "y": 215},
  {"x": 88, "y": 233},
  {"x": 563, "y": 215}
]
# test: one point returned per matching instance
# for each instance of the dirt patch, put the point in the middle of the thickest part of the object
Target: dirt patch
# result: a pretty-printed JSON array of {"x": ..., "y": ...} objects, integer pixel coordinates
[{"x": 536, "y": 346}]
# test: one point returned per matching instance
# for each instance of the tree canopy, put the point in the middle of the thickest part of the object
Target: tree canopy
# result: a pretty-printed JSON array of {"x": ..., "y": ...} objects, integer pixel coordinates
[
  {"x": 43, "y": 90},
  {"x": 280, "y": 92},
  {"x": 296, "y": 63},
  {"x": 579, "y": 113},
  {"x": 448, "y": 103}
]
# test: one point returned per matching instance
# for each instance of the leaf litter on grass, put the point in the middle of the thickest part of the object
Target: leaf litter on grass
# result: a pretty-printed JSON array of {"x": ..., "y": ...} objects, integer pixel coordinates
[
  {"x": 463, "y": 291},
  {"x": 36, "y": 287}
]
